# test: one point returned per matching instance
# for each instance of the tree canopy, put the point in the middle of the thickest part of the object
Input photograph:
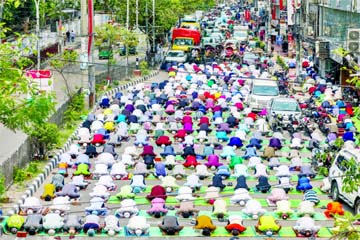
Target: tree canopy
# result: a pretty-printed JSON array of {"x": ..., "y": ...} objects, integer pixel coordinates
[{"x": 21, "y": 104}]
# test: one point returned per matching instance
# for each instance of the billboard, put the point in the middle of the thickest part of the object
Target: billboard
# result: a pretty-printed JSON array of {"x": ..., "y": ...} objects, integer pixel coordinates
[{"x": 290, "y": 12}]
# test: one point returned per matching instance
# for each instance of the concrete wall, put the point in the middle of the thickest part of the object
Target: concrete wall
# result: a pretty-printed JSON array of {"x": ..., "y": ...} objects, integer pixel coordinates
[
  {"x": 18, "y": 159},
  {"x": 35, "y": 185},
  {"x": 23, "y": 154}
]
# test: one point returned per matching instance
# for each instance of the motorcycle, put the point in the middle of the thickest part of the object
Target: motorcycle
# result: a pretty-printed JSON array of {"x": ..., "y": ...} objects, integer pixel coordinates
[{"x": 276, "y": 125}]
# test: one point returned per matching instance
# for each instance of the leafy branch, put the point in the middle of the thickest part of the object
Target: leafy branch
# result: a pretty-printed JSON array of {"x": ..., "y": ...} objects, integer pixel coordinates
[{"x": 60, "y": 63}]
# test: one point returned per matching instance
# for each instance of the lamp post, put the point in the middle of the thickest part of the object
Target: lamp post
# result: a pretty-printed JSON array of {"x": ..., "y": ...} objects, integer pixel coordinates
[{"x": 37, "y": 6}]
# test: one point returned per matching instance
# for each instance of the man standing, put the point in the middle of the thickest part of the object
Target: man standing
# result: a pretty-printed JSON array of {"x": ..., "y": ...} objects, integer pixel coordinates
[
  {"x": 72, "y": 36},
  {"x": 68, "y": 36}
]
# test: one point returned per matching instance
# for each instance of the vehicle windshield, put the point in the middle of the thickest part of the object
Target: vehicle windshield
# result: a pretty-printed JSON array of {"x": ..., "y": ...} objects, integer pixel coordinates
[
  {"x": 285, "y": 106},
  {"x": 250, "y": 56},
  {"x": 240, "y": 34},
  {"x": 262, "y": 90},
  {"x": 175, "y": 54},
  {"x": 183, "y": 42},
  {"x": 208, "y": 40}
]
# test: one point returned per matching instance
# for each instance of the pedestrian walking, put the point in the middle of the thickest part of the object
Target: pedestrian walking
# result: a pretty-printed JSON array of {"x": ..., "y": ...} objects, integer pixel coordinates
[
  {"x": 68, "y": 36},
  {"x": 279, "y": 40},
  {"x": 72, "y": 36}
]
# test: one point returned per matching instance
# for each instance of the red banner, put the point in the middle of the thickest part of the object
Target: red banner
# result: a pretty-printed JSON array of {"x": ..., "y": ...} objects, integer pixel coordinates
[
  {"x": 273, "y": 13},
  {"x": 281, "y": 4},
  {"x": 90, "y": 25},
  {"x": 247, "y": 15}
]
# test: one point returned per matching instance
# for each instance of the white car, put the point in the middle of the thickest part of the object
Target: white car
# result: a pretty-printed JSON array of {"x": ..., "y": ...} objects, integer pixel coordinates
[
  {"x": 337, "y": 170},
  {"x": 262, "y": 91},
  {"x": 241, "y": 36},
  {"x": 177, "y": 56},
  {"x": 284, "y": 107},
  {"x": 218, "y": 36}
]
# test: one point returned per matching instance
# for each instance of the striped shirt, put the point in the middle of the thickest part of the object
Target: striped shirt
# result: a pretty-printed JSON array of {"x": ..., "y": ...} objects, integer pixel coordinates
[{"x": 310, "y": 195}]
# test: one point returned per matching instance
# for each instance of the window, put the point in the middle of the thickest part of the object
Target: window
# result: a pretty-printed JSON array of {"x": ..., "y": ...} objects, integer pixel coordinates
[
  {"x": 336, "y": 22},
  {"x": 183, "y": 42},
  {"x": 265, "y": 90},
  {"x": 240, "y": 34},
  {"x": 340, "y": 162},
  {"x": 175, "y": 54},
  {"x": 285, "y": 106}
]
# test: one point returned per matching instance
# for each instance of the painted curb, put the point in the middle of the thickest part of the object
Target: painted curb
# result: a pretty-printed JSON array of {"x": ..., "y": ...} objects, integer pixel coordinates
[{"x": 39, "y": 180}]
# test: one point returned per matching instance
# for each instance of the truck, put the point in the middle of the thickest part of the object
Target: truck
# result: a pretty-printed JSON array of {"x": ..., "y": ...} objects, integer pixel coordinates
[{"x": 184, "y": 39}]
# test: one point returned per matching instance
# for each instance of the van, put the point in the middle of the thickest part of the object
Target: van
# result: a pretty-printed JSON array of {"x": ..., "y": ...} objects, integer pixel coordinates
[
  {"x": 337, "y": 170},
  {"x": 242, "y": 28},
  {"x": 262, "y": 91}
]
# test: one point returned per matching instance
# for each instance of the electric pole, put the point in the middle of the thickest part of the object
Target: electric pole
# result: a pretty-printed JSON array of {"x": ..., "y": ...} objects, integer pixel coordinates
[
  {"x": 83, "y": 49},
  {"x": 153, "y": 26},
  {"x": 127, "y": 14},
  {"x": 91, "y": 72},
  {"x": 268, "y": 35},
  {"x": 37, "y": 6},
  {"x": 137, "y": 14},
  {"x": 298, "y": 28}
]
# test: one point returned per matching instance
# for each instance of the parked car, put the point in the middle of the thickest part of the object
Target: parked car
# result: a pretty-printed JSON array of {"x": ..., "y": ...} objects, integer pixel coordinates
[
  {"x": 241, "y": 36},
  {"x": 218, "y": 36},
  {"x": 209, "y": 41},
  {"x": 105, "y": 52},
  {"x": 287, "y": 109},
  {"x": 132, "y": 51},
  {"x": 337, "y": 170},
  {"x": 177, "y": 56},
  {"x": 262, "y": 91},
  {"x": 250, "y": 58}
]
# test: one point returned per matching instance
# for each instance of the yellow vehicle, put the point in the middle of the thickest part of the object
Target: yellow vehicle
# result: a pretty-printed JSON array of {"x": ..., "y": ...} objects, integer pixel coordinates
[
  {"x": 184, "y": 44},
  {"x": 190, "y": 25}
]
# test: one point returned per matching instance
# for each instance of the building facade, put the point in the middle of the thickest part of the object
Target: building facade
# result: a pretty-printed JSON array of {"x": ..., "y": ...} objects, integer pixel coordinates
[{"x": 325, "y": 25}]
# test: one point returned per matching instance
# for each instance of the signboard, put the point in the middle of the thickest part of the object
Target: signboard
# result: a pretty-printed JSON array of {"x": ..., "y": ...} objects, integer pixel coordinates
[
  {"x": 283, "y": 28},
  {"x": 42, "y": 79},
  {"x": 290, "y": 12}
]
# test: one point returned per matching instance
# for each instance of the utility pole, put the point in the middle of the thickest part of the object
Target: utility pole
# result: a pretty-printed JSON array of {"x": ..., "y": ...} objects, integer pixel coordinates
[
  {"x": 137, "y": 14},
  {"x": 83, "y": 38},
  {"x": 147, "y": 30},
  {"x": 127, "y": 14},
  {"x": 268, "y": 35},
  {"x": 126, "y": 43},
  {"x": 298, "y": 28},
  {"x": 153, "y": 26},
  {"x": 91, "y": 71},
  {"x": 37, "y": 3}
]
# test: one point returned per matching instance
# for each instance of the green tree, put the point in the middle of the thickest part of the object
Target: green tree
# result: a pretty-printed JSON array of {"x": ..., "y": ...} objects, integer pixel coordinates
[
  {"x": 44, "y": 137},
  {"x": 2, "y": 186},
  {"x": 167, "y": 12},
  {"x": 61, "y": 63},
  {"x": 21, "y": 104},
  {"x": 346, "y": 227},
  {"x": 107, "y": 36}
]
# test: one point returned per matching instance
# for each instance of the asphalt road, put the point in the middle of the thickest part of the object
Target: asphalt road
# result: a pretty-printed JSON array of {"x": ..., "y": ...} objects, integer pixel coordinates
[{"x": 84, "y": 199}]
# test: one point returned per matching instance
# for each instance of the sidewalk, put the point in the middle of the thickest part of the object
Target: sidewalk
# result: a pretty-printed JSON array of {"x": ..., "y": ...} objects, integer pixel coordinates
[{"x": 16, "y": 145}]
